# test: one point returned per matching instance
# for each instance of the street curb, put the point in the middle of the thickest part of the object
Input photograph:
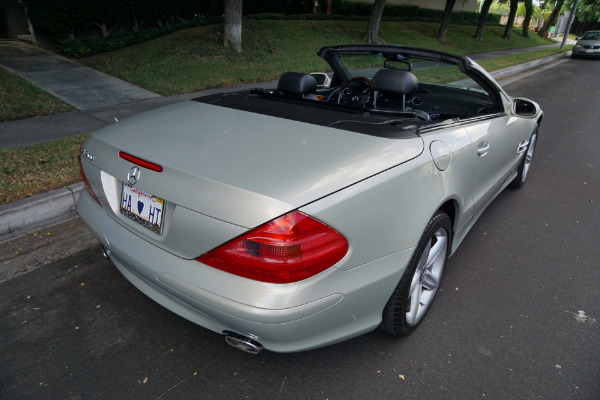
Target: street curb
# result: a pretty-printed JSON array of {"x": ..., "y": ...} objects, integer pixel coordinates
[
  {"x": 48, "y": 208},
  {"x": 38, "y": 211},
  {"x": 501, "y": 73}
]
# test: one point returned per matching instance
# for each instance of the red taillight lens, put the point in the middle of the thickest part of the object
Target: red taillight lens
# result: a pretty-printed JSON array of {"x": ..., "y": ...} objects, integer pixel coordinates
[
  {"x": 86, "y": 182},
  {"x": 140, "y": 162},
  {"x": 288, "y": 249}
]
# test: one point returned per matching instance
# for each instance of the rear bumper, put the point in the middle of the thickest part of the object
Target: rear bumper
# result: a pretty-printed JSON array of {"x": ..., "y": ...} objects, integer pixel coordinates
[{"x": 330, "y": 307}]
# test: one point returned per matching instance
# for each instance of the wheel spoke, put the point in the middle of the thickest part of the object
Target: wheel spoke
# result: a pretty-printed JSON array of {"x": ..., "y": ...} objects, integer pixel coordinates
[
  {"x": 438, "y": 249},
  {"x": 529, "y": 157},
  {"x": 427, "y": 277},
  {"x": 424, "y": 260},
  {"x": 414, "y": 300},
  {"x": 430, "y": 281}
]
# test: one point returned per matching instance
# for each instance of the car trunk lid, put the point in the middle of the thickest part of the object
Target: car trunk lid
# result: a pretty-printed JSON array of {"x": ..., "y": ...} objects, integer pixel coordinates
[{"x": 239, "y": 167}]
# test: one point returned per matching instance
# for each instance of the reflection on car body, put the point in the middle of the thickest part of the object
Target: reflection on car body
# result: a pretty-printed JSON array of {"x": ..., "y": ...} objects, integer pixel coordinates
[{"x": 299, "y": 216}]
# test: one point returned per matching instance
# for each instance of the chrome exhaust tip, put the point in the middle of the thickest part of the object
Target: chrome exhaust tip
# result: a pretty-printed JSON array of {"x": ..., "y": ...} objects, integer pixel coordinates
[
  {"x": 104, "y": 252},
  {"x": 243, "y": 343}
]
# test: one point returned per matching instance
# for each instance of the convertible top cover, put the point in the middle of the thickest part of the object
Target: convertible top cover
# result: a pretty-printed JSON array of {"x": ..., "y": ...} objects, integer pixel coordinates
[{"x": 268, "y": 102}]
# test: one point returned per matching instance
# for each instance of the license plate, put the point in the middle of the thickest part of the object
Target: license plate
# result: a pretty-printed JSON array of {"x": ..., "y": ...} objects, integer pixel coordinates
[{"x": 144, "y": 208}]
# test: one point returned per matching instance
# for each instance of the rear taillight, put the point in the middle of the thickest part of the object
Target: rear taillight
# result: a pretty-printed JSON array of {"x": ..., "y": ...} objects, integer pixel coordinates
[
  {"x": 287, "y": 249},
  {"x": 86, "y": 182}
]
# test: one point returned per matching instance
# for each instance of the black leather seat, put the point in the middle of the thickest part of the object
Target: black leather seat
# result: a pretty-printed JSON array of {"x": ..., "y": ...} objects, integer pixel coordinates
[{"x": 298, "y": 84}]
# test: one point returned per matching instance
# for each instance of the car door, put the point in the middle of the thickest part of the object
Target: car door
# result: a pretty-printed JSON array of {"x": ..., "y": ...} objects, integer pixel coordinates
[{"x": 497, "y": 145}]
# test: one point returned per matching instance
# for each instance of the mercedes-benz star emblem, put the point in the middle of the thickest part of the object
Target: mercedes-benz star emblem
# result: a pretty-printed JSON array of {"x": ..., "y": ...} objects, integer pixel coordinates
[{"x": 133, "y": 175}]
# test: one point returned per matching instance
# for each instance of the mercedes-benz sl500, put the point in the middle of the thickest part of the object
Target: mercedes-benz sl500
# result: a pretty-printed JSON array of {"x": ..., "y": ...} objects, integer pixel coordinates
[{"x": 298, "y": 216}]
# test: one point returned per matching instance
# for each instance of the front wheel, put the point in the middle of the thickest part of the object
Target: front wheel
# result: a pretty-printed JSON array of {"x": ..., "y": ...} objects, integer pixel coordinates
[
  {"x": 413, "y": 296},
  {"x": 525, "y": 165}
]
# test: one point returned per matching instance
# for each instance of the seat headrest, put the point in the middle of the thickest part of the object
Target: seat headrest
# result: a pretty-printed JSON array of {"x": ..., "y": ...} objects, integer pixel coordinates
[
  {"x": 394, "y": 81},
  {"x": 296, "y": 83}
]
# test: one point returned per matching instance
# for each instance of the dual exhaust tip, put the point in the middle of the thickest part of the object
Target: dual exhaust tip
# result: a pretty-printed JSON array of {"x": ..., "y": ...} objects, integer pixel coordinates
[
  {"x": 104, "y": 252},
  {"x": 243, "y": 343},
  {"x": 233, "y": 339}
]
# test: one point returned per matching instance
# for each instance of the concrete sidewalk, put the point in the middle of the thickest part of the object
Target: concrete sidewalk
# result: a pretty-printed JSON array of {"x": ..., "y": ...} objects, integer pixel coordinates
[
  {"x": 76, "y": 85},
  {"x": 47, "y": 208}
]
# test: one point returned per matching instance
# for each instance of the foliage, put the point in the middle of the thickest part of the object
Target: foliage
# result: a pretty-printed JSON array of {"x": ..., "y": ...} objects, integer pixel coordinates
[
  {"x": 61, "y": 20},
  {"x": 89, "y": 47},
  {"x": 407, "y": 12},
  {"x": 392, "y": 12},
  {"x": 587, "y": 10},
  {"x": 537, "y": 11},
  {"x": 55, "y": 19},
  {"x": 501, "y": 8}
]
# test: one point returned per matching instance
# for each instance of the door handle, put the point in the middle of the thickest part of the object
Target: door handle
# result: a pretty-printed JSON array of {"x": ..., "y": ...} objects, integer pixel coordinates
[{"x": 483, "y": 149}]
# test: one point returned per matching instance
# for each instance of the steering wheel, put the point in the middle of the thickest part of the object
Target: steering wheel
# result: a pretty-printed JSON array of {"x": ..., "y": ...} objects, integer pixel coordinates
[{"x": 355, "y": 92}]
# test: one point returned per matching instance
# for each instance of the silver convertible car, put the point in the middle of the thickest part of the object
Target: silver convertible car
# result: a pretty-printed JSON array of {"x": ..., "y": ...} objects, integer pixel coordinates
[{"x": 299, "y": 216}]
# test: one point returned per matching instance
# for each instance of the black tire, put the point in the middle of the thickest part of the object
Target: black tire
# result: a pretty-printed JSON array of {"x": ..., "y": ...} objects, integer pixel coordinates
[
  {"x": 525, "y": 164},
  {"x": 397, "y": 315}
]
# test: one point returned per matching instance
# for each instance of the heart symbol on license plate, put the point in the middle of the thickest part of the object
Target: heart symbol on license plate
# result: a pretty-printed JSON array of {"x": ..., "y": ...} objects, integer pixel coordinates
[{"x": 140, "y": 207}]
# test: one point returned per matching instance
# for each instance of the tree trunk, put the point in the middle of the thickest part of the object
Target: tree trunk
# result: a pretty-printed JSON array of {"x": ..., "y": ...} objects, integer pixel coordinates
[
  {"x": 528, "y": 14},
  {"x": 446, "y": 20},
  {"x": 106, "y": 31},
  {"x": 232, "y": 37},
  {"x": 551, "y": 19},
  {"x": 514, "y": 4},
  {"x": 485, "y": 8},
  {"x": 371, "y": 35}
]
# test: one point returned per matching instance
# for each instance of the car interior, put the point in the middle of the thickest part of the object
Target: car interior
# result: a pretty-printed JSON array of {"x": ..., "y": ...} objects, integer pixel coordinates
[{"x": 392, "y": 91}]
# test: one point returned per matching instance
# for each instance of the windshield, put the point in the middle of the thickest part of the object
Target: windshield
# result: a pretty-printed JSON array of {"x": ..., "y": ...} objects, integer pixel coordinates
[
  {"x": 591, "y": 36},
  {"x": 426, "y": 71}
]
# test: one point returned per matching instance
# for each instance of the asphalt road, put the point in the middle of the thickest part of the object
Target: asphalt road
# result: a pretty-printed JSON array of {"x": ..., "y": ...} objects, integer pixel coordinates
[{"x": 518, "y": 316}]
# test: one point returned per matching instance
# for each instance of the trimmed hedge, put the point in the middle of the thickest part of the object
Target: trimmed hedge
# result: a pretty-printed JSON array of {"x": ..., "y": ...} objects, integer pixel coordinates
[
  {"x": 89, "y": 47},
  {"x": 61, "y": 20},
  {"x": 407, "y": 12}
]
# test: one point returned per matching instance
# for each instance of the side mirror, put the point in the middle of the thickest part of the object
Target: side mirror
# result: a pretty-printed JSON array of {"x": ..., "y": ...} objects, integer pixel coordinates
[
  {"x": 525, "y": 108},
  {"x": 323, "y": 80}
]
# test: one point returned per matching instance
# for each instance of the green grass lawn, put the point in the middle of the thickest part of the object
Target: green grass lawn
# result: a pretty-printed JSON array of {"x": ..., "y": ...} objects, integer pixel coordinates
[
  {"x": 30, "y": 170},
  {"x": 20, "y": 99},
  {"x": 194, "y": 59}
]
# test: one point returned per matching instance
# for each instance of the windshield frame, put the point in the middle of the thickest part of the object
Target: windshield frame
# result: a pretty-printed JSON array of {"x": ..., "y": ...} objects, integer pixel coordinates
[{"x": 465, "y": 65}]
